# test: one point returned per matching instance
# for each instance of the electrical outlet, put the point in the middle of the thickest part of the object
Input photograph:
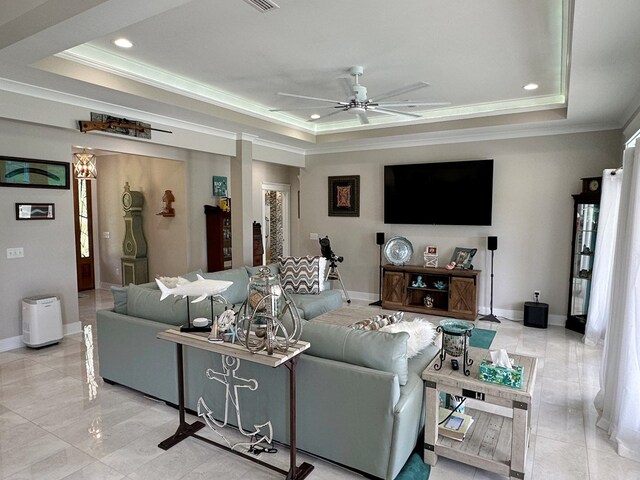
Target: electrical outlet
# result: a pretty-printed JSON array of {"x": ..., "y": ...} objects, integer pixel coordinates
[{"x": 313, "y": 236}]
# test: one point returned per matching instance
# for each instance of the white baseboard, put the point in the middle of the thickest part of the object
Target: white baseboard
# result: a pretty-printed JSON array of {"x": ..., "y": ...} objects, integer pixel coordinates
[{"x": 13, "y": 343}]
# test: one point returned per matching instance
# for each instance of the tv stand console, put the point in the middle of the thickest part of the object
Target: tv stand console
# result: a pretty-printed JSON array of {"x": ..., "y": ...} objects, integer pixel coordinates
[{"x": 434, "y": 291}]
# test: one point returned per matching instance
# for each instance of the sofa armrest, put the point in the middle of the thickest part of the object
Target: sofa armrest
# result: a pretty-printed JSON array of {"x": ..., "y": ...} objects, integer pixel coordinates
[
  {"x": 363, "y": 402},
  {"x": 130, "y": 354}
]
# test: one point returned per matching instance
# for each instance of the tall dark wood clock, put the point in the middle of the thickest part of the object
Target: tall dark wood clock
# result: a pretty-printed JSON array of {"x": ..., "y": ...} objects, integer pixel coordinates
[{"x": 134, "y": 263}]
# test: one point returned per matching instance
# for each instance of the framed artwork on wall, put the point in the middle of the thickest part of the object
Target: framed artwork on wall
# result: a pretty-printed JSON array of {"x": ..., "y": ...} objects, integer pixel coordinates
[
  {"x": 35, "y": 211},
  {"x": 219, "y": 186},
  {"x": 344, "y": 196},
  {"x": 27, "y": 172}
]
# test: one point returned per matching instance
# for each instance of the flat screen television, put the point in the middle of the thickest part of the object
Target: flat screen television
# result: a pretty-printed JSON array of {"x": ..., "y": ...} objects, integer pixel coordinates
[{"x": 447, "y": 193}]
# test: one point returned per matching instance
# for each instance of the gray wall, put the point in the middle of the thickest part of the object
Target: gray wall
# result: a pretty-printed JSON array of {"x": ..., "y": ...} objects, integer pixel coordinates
[
  {"x": 48, "y": 266},
  {"x": 532, "y": 213},
  {"x": 534, "y": 180}
]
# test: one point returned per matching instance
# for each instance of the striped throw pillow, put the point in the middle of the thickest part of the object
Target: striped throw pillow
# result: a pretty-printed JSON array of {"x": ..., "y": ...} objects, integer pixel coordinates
[{"x": 300, "y": 274}]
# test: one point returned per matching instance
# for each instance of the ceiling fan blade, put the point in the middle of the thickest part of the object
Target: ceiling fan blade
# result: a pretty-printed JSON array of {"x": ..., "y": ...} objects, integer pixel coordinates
[
  {"x": 412, "y": 104},
  {"x": 312, "y": 98},
  {"x": 325, "y": 115},
  {"x": 364, "y": 120},
  {"x": 395, "y": 112},
  {"x": 310, "y": 107},
  {"x": 400, "y": 91}
]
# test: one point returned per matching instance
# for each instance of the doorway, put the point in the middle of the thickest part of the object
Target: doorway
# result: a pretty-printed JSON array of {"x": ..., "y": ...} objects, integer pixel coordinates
[
  {"x": 275, "y": 212},
  {"x": 84, "y": 234}
]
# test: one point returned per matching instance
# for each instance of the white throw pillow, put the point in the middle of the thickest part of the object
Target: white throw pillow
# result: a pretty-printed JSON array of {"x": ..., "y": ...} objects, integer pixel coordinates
[{"x": 421, "y": 334}]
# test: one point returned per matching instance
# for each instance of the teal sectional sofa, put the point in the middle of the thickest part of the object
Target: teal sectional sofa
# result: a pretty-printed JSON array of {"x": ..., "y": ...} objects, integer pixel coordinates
[{"x": 359, "y": 399}]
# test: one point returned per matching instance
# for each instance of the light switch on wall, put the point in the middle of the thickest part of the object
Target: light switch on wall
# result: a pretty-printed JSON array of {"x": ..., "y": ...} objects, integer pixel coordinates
[{"x": 313, "y": 236}]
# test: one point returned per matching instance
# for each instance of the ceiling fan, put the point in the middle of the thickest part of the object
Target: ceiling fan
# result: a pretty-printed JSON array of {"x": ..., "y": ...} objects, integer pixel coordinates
[{"x": 359, "y": 104}]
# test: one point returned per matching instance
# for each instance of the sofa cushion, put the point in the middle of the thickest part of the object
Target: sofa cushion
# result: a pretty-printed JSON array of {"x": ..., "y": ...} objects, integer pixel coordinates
[
  {"x": 145, "y": 303},
  {"x": 119, "y": 299},
  {"x": 310, "y": 306},
  {"x": 380, "y": 351},
  {"x": 237, "y": 292},
  {"x": 300, "y": 274}
]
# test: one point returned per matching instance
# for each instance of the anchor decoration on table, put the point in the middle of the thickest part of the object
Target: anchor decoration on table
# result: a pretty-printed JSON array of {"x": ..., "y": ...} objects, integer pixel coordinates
[{"x": 232, "y": 382}]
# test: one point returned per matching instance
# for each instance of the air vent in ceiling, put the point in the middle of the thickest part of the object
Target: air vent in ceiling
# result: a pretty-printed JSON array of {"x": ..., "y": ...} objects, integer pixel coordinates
[{"x": 262, "y": 5}]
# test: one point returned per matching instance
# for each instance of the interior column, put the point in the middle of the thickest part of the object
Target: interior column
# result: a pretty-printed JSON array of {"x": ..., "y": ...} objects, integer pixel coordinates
[{"x": 242, "y": 202}]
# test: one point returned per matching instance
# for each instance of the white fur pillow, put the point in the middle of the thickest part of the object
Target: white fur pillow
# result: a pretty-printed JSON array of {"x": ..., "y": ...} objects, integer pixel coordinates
[
  {"x": 421, "y": 334},
  {"x": 172, "y": 282}
]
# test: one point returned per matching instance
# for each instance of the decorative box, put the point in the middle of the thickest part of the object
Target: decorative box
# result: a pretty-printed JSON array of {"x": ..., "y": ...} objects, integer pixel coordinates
[{"x": 500, "y": 375}]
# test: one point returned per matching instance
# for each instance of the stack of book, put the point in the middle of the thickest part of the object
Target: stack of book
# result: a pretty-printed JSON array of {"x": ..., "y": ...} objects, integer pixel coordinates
[{"x": 456, "y": 426}]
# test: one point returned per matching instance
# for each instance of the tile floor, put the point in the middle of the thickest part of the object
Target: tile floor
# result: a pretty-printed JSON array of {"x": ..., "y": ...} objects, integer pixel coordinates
[{"x": 58, "y": 420}]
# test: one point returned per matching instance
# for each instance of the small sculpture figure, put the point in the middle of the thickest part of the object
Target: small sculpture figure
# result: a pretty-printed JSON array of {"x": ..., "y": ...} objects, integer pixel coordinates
[
  {"x": 428, "y": 301},
  {"x": 418, "y": 282},
  {"x": 451, "y": 266}
]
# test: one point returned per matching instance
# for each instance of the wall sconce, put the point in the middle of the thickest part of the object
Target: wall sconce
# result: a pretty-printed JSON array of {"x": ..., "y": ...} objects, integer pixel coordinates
[
  {"x": 84, "y": 166},
  {"x": 167, "y": 200}
]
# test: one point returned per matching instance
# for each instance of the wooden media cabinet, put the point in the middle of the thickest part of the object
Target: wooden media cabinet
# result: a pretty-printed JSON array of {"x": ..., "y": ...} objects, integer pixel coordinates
[{"x": 452, "y": 293}]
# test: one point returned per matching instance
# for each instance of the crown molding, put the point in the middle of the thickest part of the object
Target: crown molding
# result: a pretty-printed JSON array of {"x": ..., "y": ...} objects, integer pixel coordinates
[{"x": 460, "y": 136}]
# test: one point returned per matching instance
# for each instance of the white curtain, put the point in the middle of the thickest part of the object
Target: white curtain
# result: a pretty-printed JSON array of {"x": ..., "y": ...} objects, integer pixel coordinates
[
  {"x": 602, "y": 275},
  {"x": 618, "y": 399}
]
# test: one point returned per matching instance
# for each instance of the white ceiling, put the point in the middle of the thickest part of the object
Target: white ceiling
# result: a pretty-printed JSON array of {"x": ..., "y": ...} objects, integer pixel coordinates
[{"x": 221, "y": 63}]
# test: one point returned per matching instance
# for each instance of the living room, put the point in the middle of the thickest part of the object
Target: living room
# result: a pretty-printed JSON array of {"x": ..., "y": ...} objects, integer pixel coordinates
[{"x": 537, "y": 167}]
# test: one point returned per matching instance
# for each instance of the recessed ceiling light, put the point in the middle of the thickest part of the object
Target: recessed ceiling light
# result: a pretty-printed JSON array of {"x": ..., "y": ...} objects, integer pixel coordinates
[
  {"x": 123, "y": 43},
  {"x": 315, "y": 116},
  {"x": 531, "y": 86}
]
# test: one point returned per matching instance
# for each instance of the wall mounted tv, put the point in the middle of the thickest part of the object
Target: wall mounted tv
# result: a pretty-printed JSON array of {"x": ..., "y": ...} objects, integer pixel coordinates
[{"x": 448, "y": 193}]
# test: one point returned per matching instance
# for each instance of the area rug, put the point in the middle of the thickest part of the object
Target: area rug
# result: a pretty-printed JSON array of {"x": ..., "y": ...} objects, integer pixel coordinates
[
  {"x": 481, "y": 338},
  {"x": 414, "y": 469}
]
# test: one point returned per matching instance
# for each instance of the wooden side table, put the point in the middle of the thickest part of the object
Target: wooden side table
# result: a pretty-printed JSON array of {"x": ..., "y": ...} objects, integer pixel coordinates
[
  {"x": 289, "y": 359},
  {"x": 494, "y": 442}
]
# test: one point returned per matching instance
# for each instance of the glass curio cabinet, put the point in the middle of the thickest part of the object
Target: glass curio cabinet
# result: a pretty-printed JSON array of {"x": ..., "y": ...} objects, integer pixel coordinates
[{"x": 585, "y": 227}]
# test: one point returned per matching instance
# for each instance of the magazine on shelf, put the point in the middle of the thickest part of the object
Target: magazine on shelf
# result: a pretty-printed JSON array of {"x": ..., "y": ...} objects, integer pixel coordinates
[{"x": 456, "y": 426}]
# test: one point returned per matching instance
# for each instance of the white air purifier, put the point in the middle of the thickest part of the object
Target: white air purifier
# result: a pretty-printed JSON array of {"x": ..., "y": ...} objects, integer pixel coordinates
[{"x": 41, "y": 320}]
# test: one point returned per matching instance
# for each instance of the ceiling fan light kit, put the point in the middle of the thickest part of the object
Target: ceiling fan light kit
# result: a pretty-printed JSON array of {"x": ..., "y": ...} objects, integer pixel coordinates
[{"x": 360, "y": 104}]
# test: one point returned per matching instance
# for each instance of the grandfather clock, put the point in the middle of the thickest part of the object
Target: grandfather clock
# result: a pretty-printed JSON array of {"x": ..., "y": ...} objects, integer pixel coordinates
[{"x": 134, "y": 247}]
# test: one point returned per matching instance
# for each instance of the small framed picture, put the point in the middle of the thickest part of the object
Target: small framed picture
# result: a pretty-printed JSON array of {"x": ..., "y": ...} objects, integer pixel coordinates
[
  {"x": 35, "y": 211},
  {"x": 344, "y": 196},
  {"x": 463, "y": 256},
  {"x": 431, "y": 250}
]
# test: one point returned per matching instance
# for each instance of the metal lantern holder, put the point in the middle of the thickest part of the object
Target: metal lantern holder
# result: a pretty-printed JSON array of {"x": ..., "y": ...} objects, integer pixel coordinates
[
  {"x": 260, "y": 327},
  {"x": 455, "y": 342}
]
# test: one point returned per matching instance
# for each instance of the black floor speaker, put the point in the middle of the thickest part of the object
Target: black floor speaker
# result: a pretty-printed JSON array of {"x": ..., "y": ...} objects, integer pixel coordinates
[{"x": 536, "y": 314}]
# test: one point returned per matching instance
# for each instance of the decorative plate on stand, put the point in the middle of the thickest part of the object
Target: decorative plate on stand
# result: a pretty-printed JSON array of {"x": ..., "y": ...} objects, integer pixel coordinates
[{"x": 398, "y": 251}]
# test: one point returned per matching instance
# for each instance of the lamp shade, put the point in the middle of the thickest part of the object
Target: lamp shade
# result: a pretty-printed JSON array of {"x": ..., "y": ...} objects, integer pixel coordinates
[{"x": 84, "y": 166}]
